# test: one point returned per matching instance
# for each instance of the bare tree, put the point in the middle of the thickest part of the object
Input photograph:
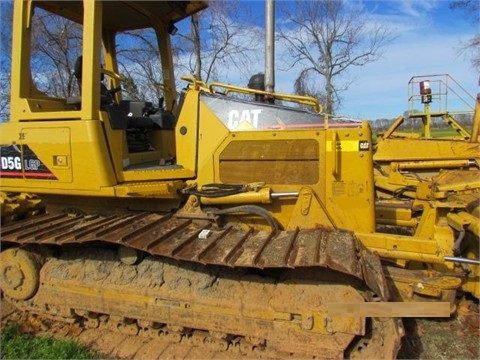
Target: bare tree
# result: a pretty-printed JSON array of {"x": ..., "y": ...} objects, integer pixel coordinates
[
  {"x": 304, "y": 85},
  {"x": 6, "y": 12},
  {"x": 139, "y": 60},
  {"x": 56, "y": 44},
  {"x": 472, "y": 9},
  {"x": 327, "y": 38},
  {"x": 219, "y": 38}
]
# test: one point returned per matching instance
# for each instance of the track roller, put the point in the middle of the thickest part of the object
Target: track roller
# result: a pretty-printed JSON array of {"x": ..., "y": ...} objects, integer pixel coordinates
[{"x": 19, "y": 273}]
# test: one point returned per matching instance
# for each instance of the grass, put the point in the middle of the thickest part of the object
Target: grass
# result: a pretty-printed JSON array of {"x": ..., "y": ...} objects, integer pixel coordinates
[
  {"x": 16, "y": 345},
  {"x": 444, "y": 132},
  {"x": 436, "y": 133}
]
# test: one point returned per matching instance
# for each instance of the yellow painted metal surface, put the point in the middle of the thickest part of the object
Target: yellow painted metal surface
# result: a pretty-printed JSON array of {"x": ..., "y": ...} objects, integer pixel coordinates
[
  {"x": 319, "y": 182},
  {"x": 430, "y": 150},
  {"x": 74, "y": 152},
  {"x": 411, "y": 285}
]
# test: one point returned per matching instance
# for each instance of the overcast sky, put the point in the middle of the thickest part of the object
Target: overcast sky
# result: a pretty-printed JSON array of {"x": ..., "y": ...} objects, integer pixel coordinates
[{"x": 428, "y": 35}]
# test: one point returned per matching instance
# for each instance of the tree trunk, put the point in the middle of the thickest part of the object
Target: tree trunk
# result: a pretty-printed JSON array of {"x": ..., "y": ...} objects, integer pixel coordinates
[{"x": 196, "y": 47}]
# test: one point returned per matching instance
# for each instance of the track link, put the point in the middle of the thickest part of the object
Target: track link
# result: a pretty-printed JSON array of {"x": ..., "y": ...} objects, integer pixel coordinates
[{"x": 111, "y": 340}]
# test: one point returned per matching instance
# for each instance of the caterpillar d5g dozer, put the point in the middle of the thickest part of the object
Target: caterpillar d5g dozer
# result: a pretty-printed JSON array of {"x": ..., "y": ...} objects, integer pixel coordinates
[{"x": 231, "y": 220}]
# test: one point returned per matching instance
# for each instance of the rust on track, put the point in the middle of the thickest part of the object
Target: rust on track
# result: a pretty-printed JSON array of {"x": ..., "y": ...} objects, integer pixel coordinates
[{"x": 178, "y": 238}]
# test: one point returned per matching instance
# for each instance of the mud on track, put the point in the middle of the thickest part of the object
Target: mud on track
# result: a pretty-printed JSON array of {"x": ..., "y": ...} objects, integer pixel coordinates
[
  {"x": 116, "y": 345},
  {"x": 454, "y": 338}
]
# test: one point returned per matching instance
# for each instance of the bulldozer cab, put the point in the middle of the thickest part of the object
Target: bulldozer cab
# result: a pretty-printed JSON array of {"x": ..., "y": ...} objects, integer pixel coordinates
[
  {"x": 98, "y": 26},
  {"x": 53, "y": 117}
]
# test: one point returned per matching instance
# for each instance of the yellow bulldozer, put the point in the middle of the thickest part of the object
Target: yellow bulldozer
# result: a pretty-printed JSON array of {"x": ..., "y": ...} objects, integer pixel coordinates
[{"x": 238, "y": 216}]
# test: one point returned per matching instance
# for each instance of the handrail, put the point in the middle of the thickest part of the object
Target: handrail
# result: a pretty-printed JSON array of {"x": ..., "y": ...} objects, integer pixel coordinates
[
  {"x": 304, "y": 100},
  {"x": 196, "y": 83},
  {"x": 441, "y": 85}
]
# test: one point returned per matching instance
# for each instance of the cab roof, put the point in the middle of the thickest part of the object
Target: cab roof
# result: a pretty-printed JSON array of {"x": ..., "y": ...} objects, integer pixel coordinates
[{"x": 127, "y": 15}]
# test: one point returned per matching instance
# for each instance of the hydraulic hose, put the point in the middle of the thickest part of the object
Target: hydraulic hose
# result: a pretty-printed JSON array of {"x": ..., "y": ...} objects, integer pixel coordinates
[
  {"x": 250, "y": 209},
  {"x": 215, "y": 190}
]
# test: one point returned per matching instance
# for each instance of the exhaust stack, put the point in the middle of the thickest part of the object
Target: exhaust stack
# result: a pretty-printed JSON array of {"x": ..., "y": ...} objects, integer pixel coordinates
[{"x": 269, "y": 45}]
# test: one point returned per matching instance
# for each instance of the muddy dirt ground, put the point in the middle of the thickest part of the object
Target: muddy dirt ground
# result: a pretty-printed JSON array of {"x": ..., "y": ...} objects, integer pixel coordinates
[
  {"x": 457, "y": 337},
  {"x": 440, "y": 339}
]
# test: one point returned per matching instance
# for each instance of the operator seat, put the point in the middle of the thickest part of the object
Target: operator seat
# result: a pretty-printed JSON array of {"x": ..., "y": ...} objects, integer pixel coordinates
[{"x": 105, "y": 95}]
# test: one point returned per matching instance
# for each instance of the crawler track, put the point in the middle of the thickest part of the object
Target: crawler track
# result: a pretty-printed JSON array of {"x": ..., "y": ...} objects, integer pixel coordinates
[
  {"x": 232, "y": 291},
  {"x": 112, "y": 342}
]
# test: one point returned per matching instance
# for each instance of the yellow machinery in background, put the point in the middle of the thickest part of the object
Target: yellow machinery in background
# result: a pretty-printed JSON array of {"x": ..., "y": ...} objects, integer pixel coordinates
[
  {"x": 221, "y": 216},
  {"x": 425, "y": 179}
]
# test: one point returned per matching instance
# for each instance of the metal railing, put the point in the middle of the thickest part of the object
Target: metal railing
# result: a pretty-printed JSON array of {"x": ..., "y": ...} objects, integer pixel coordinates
[{"x": 447, "y": 95}]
